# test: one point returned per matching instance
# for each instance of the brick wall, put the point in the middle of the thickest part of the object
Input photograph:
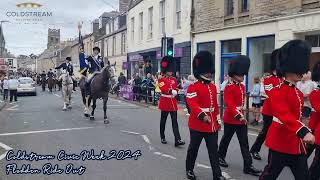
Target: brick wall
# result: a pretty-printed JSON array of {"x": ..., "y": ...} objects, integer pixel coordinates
[{"x": 210, "y": 14}]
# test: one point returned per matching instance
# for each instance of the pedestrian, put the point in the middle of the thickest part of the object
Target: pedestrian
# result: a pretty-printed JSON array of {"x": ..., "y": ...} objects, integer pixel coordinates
[
  {"x": 185, "y": 87},
  {"x": 157, "y": 88},
  {"x": 137, "y": 87},
  {"x": 306, "y": 86},
  {"x": 5, "y": 87},
  {"x": 203, "y": 122},
  {"x": 233, "y": 117},
  {"x": 270, "y": 82},
  {"x": 256, "y": 101},
  {"x": 13, "y": 86},
  {"x": 287, "y": 135},
  {"x": 314, "y": 123},
  {"x": 168, "y": 103}
]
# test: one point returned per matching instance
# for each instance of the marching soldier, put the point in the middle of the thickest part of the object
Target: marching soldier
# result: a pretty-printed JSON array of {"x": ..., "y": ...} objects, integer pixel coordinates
[
  {"x": 234, "y": 120},
  {"x": 314, "y": 123},
  {"x": 203, "y": 122},
  {"x": 95, "y": 63},
  {"x": 287, "y": 134},
  {"x": 269, "y": 83},
  {"x": 168, "y": 103}
]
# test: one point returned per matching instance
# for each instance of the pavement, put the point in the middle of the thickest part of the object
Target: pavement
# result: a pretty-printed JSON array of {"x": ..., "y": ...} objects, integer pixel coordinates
[{"x": 131, "y": 143}]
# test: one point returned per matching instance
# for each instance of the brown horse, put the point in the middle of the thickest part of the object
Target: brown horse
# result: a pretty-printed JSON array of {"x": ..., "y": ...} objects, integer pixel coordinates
[
  {"x": 99, "y": 88},
  {"x": 51, "y": 82}
]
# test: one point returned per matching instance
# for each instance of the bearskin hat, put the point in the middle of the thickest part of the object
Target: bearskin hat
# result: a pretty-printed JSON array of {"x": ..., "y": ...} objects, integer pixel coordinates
[
  {"x": 96, "y": 48},
  {"x": 203, "y": 62},
  {"x": 294, "y": 57},
  {"x": 168, "y": 64},
  {"x": 239, "y": 66},
  {"x": 315, "y": 74},
  {"x": 274, "y": 59}
]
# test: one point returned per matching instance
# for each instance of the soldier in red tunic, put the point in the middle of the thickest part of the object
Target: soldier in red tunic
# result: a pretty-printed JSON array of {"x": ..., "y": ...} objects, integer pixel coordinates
[
  {"x": 314, "y": 123},
  {"x": 203, "y": 121},
  {"x": 287, "y": 134},
  {"x": 233, "y": 117},
  {"x": 269, "y": 83},
  {"x": 168, "y": 103}
]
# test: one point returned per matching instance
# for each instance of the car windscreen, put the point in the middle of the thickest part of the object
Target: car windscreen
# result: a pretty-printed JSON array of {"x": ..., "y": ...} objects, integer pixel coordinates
[{"x": 25, "y": 81}]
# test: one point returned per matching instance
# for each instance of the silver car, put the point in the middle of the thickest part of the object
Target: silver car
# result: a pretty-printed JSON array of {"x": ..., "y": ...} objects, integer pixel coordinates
[{"x": 27, "y": 86}]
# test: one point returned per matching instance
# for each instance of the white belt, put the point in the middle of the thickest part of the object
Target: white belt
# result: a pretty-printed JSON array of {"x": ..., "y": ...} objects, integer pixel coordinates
[
  {"x": 207, "y": 109},
  {"x": 277, "y": 120},
  {"x": 240, "y": 108},
  {"x": 167, "y": 96}
]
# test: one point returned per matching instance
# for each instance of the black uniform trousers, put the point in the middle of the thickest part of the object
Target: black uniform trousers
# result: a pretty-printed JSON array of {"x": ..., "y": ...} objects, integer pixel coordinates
[
  {"x": 242, "y": 134},
  {"x": 277, "y": 161},
  {"x": 256, "y": 147},
  {"x": 212, "y": 146},
  {"x": 175, "y": 127},
  {"x": 13, "y": 95},
  {"x": 314, "y": 169}
]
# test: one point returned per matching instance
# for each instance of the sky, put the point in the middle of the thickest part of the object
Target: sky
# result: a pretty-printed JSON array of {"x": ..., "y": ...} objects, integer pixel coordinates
[{"x": 27, "y": 35}]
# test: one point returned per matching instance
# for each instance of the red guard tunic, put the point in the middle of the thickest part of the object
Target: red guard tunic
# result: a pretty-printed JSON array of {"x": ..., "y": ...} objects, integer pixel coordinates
[
  {"x": 314, "y": 122},
  {"x": 269, "y": 83},
  {"x": 234, "y": 98},
  {"x": 202, "y": 99},
  {"x": 167, "y": 101},
  {"x": 286, "y": 130}
]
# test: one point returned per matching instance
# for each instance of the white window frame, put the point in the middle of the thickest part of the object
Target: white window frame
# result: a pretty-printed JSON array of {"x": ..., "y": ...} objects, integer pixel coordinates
[
  {"x": 178, "y": 14},
  {"x": 132, "y": 28},
  {"x": 150, "y": 22},
  {"x": 162, "y": 16},
  {"x": 141, "y": 26}
]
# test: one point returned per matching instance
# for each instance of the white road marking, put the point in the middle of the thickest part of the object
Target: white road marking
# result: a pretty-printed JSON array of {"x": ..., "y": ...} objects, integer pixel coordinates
[
  {"x": 44, "y": 131},
  {"x": 57, "y": 95},
  {"x": 3, "y": 155},
  {"x": 13, "y": 108},
  {"x": 42, "y": 121},
  {"x": 157, "y": 153},
  {"x": 146, "y": 139},
  {"x": 226, "y": 175},
  {"x": 150, "y": 148},
  {"x": 203, "y": 166},
  {"x": 168, "y": 156},
  {"x": 25, "y": 122},
  {"x": 6, "y": 147},
  {"x": 130, "y": 132}
]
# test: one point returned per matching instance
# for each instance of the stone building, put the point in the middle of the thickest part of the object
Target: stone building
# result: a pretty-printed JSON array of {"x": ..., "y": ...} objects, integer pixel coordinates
[{"x": 254, "y": 28}]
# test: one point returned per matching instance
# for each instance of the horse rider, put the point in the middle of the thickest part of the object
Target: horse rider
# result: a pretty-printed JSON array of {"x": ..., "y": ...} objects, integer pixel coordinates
[
  {"x": 50, "y": 74},
  {"x": 95, "y": 63},
  {"x": 67, "y": 66}
]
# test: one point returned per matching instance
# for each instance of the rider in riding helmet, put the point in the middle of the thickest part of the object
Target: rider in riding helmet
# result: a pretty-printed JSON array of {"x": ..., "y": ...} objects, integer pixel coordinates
[
  {"x": 67, "y": 66},
  {"x": 95, "y": 63}
]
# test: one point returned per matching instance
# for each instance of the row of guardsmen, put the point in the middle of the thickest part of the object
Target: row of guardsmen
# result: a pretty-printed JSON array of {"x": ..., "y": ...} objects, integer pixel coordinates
[{"x": 290, "y": 142}]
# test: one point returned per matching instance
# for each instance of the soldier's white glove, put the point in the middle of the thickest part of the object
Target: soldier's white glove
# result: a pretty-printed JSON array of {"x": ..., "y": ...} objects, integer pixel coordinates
[{"x": 174, "y": 92}]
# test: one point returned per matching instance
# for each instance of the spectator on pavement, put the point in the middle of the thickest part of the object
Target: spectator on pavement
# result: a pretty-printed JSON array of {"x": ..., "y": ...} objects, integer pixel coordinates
[
  {"x": 185, "y": 87},
  {"x": 13, "y": 86},
  {"x": 5, "y": 86},
  {"x": 136, "y": 87},
  {"x": 306, "y": 86},
  {"x": 122, "y": 79},
  {"x": 256, "y": 101}
]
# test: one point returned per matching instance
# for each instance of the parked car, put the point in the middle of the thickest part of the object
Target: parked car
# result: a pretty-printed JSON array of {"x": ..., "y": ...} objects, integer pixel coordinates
[{"x": 27, "y": 86}]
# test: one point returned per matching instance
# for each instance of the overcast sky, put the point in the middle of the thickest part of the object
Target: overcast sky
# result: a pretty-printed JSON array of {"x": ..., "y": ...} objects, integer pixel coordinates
[{"x": 26, "y": 38}]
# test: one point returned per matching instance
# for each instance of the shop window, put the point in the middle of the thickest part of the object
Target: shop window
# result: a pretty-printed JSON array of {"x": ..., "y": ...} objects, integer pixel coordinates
[
  {"x": 314, "y": 40},
  {"x": 232, "y": 46},
  {"x": 207, "y": 46}
]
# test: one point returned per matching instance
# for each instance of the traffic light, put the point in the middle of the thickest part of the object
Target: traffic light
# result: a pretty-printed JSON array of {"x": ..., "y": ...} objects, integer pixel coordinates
[
  {"x": 167, "y": 46},
  {"x": 170, "y": 47}
]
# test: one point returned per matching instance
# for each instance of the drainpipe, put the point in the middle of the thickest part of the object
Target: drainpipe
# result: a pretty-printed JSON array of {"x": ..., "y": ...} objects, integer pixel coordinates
[{"x": 192, "y": 17}]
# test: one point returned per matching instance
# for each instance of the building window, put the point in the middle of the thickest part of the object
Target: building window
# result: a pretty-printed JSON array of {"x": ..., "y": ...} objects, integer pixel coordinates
[
  {"x": 141, "y": 26},
  {"x": 231, "y": 46},
  {"x": 178, "y": 14},
  {"x": 245, "y": 5},
  {"x": 314, "y": 40},
  {"x": 123, "y": 43},
  {"x": 207, "y": 46},
  {"x": 132, "y": 28},
  {"x": 150, "y": 23},
  {"x": 229, "y": 7},
  {"x": 162, "y": 17},
  {"x": 112, "y": 28},
  {"x": 107, "y": 47},
  {"x": 114, "y": 45}
]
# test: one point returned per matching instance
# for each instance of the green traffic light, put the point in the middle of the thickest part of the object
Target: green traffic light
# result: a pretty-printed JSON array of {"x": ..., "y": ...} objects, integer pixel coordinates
[{"x": 170, "y": 53}]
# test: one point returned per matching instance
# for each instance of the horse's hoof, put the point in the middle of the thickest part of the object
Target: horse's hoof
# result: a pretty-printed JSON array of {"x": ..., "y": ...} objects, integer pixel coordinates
[
  {"x": 69, "y": 107},
  {"x": 86, "y": 115},
  {"x": 91, "y": 118},
  {"x": 64, "y": 109},
  {"x": 106, "y": 121}
]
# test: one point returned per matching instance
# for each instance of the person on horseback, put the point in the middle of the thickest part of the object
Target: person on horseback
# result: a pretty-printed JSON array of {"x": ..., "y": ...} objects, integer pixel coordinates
[
  {"x": 95, "y": 63},
  {"x": 50, "y": 74},
  {"x": 67, "y": 66}
]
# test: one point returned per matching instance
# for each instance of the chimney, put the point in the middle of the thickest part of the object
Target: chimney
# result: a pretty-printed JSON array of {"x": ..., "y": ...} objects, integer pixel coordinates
[{"x": 123, "y": 5}]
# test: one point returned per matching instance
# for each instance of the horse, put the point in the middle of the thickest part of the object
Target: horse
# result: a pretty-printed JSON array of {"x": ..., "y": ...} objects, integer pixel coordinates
[
  {"x": 50, "y": 83},
  {"x": 67, "y": 86},
  {"x": 99, "y": 88}
]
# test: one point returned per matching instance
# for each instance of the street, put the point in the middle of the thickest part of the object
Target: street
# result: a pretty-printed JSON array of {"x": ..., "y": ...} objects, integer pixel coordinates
[{"x": 38, "y": 124}]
